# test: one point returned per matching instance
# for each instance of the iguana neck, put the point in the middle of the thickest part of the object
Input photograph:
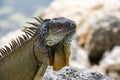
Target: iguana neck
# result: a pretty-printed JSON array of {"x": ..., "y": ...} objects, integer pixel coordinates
[{"x": 40, "y": 49}]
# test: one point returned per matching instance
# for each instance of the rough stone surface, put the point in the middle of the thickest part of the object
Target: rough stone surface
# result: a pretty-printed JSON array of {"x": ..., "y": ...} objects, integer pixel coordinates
[
  {"x": 111, "y": 63},
  {"x": 73, "y": 73},
  {"x": 104, "y": 35}
]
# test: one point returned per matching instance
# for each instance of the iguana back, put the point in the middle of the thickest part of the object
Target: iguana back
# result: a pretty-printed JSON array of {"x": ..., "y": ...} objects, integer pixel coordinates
[{"x": 19, "y": 66}]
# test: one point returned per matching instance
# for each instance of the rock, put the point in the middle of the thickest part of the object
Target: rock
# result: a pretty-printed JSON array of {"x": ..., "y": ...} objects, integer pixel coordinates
[
  {"x": 104, "y": 35},
  {"x": 113, "y": 71},
  {"x": 73, "y": 73},
  {"x": 79, "y": 57},
  {"x": 111, "y": 63}
]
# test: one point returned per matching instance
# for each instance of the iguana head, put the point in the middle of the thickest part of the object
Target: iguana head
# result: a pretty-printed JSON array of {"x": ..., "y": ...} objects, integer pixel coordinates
[
  {"x": 56, "y": 31},
  {"x": 58, "y": 28}
]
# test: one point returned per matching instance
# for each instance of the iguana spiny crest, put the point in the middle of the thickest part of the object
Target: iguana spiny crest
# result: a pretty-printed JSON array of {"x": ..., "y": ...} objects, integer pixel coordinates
[{"x": 27, "y": 33}]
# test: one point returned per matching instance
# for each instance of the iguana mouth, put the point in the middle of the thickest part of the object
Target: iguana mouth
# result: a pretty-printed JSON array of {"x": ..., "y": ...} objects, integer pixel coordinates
[{"x": 70, "y": 31}]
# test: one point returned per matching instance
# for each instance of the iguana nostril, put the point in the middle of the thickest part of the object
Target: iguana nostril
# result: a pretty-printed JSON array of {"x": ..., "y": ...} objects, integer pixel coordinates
[{"x": 50, "y": 43}]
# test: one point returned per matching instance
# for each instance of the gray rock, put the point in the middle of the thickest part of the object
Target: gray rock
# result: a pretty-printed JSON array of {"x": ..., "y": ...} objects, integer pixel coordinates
[
  {"x": 111, "y": 63},
  {"x": 73, "y": 73},
  {"x": 104, "y": 35}
]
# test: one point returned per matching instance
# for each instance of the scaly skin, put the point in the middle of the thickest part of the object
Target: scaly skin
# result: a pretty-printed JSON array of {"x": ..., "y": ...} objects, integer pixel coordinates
[{"x": 49, "y": 46}]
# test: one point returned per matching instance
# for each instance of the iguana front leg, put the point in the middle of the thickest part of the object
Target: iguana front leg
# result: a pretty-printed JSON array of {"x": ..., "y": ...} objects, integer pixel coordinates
[
  {"x": 41, "y": 54},
  {"x": 41, "y": 70}
]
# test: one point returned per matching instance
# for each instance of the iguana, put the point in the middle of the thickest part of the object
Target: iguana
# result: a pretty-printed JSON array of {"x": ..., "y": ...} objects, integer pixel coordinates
[{"x": 45, "y": 43}]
